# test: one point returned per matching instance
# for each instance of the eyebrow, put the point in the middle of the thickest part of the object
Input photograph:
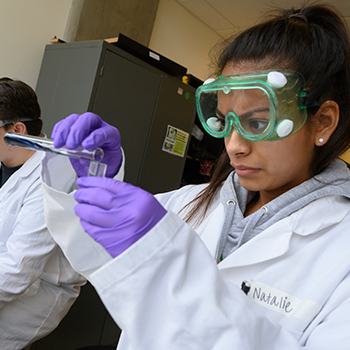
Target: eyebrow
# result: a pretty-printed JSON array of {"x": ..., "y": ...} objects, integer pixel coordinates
[
  {"x": 250, "y": 113},
  {"x": 247, "y": 114}
]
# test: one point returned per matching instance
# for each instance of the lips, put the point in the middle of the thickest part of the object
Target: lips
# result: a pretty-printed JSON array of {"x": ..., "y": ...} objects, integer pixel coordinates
[{"x": 242, "y": 170}]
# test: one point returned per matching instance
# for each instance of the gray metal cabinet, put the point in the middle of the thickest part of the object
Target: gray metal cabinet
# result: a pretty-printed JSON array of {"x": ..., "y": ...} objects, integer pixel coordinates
[{"x": 137, "y": 98}]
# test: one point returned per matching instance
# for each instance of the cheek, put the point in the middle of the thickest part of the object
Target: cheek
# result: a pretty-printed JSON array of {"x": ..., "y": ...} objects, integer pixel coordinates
[
  {"x": 289, "y": 157},
  {"x": 226, "y": 141}
]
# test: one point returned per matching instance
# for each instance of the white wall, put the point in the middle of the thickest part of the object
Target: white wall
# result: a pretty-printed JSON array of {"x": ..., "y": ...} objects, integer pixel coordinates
[
  {"x": 183, "y": 38},
  {"x": 26, "y": 26}
]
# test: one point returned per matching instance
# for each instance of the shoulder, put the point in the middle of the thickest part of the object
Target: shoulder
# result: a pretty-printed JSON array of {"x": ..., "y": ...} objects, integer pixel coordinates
[
  {"x": 323, "y": 213},
  {"x": 177, "y": 199}
]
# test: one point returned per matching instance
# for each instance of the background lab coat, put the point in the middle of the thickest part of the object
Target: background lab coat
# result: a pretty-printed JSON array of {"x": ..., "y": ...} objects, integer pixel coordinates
[
  {"x": 167, "y": 292},
  {"x": 37, "y": 284}
]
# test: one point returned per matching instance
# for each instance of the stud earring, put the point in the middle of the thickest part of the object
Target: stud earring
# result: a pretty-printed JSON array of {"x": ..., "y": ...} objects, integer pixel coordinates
[{"x": 320, "y": 140}]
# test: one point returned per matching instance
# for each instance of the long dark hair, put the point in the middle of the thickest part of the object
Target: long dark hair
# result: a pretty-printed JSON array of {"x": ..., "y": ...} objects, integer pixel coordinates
[{"x": 314, "y": 43}]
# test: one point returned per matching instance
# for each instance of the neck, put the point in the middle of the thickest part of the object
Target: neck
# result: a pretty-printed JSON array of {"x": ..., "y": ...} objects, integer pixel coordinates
[
  {"x": 253, "y": 205},
  {"x": 18, "y": 158},
  {"x": 259, "y": 200}
]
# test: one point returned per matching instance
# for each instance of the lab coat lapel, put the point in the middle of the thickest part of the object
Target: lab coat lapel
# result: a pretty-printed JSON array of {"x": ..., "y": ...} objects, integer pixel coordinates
[
  {"x": 8, "y": 186},
  {"x": 269, "y": 244},
  {"x": 321, "y": 214},
  {"x": 24, "y": 171},
  {"x": 275, "y": 241},
  {"x": 209, "y": 230}
]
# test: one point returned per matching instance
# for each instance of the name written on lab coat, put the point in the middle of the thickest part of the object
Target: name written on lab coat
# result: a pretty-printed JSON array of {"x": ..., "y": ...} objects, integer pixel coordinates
[
  {"x": 273, "y": 300},
  {"x": 282, "y": 302}
]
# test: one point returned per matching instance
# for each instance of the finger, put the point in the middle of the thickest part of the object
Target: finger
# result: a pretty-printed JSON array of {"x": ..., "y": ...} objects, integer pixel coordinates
[
  {"x": 97, "y": 216},
  {"x": 116, "y": 194},
  {"x": 106, "y": 135},
  {"x": 61, "y": 130},
  {"x": 92, "y": 230},
  {"x": 109, "y": 184},
  {"x": 125, "y": 192},
  {"x": 98, "y": 233},
  {"x": 81, "y": 129},
  {"x": 101, "y": 198}
]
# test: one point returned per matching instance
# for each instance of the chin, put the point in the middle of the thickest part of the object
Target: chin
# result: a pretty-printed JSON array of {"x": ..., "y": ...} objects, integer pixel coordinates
[{"x": 250, "y": 185}]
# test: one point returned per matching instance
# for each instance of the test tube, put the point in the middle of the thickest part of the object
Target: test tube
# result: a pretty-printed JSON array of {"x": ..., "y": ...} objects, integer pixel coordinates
[{"x": 37, "y": 143}]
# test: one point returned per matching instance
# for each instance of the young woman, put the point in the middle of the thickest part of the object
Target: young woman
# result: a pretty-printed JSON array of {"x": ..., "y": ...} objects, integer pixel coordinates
[{"x": 258, "y": 258}]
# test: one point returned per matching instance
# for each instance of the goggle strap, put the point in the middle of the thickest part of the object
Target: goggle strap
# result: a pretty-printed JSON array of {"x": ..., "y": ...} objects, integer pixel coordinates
[
  {"x": 8, "y": 121},
  {"x": 312, "y": 99}
]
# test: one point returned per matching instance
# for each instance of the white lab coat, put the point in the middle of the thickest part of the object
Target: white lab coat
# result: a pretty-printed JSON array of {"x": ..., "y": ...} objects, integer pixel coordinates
[
  {"x": 167, "y": 292},
  {"x": 37, "y": 284}
]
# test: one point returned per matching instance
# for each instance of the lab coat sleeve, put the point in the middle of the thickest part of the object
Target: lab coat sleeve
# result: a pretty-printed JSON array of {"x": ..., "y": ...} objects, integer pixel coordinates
[
  {"x": 166, "y": 292},
  {"x": 28, "y": 249},
  {"x": 59, "y": 184}
]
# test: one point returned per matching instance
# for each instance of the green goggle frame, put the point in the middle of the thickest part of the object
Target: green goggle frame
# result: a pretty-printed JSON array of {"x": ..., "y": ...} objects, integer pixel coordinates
[{"x": 263, "y": 105}]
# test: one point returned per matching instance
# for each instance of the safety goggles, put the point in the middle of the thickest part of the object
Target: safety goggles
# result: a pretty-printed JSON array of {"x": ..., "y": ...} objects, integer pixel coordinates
[
  {"x": 8, "y": 121},
  {"x": 264, "y": 105}
]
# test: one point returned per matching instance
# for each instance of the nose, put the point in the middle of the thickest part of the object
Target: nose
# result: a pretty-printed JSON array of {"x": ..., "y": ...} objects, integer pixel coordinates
[{"x": 236, "y": 145}]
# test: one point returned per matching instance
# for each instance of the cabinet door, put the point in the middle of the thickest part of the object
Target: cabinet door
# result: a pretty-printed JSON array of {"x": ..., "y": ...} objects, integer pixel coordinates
[
  {"x": 66, "y": 81},
  {"x": 126, "y": 98},
  {"x": 162, "y": 171}
]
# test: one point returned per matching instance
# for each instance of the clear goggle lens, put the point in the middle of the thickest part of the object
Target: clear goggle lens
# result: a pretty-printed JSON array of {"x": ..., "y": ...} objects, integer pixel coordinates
[{"x": 262, "y": 105}]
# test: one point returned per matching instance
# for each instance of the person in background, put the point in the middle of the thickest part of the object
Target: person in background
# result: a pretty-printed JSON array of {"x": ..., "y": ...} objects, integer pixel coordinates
[
  {"x": 37, "y": 284},
  {"x": 259, "y": 257}
]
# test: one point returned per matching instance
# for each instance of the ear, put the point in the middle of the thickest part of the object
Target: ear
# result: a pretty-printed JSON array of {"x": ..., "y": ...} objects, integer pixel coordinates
[
  {"x": 19, "y": 128},
  {"x": 326, "y": 121}
]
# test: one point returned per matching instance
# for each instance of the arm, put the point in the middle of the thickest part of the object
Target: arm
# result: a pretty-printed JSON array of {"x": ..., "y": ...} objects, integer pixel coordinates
[
  {"x": 166, "y": 280},
  {"x": 166, "y": 292},
  {"x": 59, "y": 186},
  {"x": 28, "y": 248}
]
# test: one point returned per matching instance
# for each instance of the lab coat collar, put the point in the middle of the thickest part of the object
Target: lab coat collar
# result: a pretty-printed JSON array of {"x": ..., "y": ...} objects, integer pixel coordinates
[
  {"x": 321, "y": 214},
  {"x": 275, "y": 241},
  {"x": 268, "y": 245},
  {"x": 28, "y": 167},
  {"x": 31, "y": 165}
]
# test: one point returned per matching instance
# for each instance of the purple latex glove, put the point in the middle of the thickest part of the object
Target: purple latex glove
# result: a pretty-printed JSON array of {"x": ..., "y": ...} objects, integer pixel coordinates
[
  {"x": 115, "y": 214},
  {"x": 91, "y": 132}
]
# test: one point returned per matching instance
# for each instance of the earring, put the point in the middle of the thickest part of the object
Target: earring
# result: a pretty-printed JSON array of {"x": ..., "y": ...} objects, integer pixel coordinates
[{"x": 320, "y": 140}]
